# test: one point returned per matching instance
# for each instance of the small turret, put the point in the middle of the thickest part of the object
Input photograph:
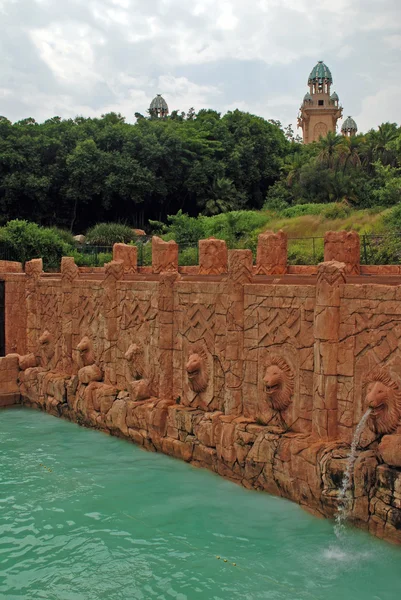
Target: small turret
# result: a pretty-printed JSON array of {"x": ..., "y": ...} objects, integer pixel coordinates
[
  {"x": 158, "y": 107},
  {"x": 349, "y": 127}
]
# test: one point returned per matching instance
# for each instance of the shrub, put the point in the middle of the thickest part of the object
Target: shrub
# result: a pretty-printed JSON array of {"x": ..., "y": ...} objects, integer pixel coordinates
[
  {"x": 188, "y": 256},
  {"x": 300, "y": 210},
  {"x": 65, "y": 235},
  {"x": 107, "y": 234},
  {"x": 91, "y": 259},
  {"x": 233, "y": 226},
  {"x": 24, "y": 241},
  {"x": 183, "y": 229},
  {"x": 305, "y": 252},
  {"x": 144, "y": 254},
  {"x": 337, "y": 210},
  {"x": 381, "y": 250},
  {"x": 393, "y": 218}
]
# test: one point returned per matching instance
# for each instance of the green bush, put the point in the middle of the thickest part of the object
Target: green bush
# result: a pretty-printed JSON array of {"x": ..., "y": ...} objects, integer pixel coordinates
[
  {"x": 144, "y": 254},
  {"x": 232, "y": 226},
  {"x": 337, "y": 210},
  {"x": 393, "y": 219},
  {"x": 188, "y": 256},
  {"x": 381, "y": 250},
  {"x": 107, "y": 234},
  {"x": 65, "y": 235},
  {"x": 24, "y": 241},
  {"x": 300, "y": 210},
  {"x": 91, "y": 259},
  {"x": 305, "y": 251},
  {"x": 183, "y": 229}
]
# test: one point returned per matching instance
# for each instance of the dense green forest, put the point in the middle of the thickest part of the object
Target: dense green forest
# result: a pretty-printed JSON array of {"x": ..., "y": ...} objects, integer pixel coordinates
[
  {"x": 74, "y": 173},
  {"x": 77, "y": 172}
]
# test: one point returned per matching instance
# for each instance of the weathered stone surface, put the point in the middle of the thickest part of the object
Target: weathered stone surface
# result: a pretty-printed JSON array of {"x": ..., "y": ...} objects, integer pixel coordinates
[
  {"x": 128, "y": 255},
  {"x": 271, "y": 257},
  {"x": 390, "y": 450},
  {"x": 213, "y": 257},
  {"x": 164, "y": 256},
  {"x": 262, "y": 380},
  {"x": 343, "y": 246}
]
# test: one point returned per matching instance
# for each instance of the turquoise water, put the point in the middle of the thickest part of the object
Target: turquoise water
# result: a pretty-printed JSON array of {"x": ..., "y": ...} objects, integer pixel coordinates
[{"x": 84, "y": 516}]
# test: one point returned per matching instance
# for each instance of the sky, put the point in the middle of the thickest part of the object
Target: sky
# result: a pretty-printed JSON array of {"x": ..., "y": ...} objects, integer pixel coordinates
[{"x": 89, "y": 57}]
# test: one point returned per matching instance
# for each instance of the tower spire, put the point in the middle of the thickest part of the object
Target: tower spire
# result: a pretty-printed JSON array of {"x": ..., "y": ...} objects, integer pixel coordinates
[{"x": 319, "y": 111}]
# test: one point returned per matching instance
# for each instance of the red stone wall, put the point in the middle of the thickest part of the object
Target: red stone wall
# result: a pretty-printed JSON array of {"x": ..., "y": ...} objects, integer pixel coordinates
[{"x": 261, "y": 377}]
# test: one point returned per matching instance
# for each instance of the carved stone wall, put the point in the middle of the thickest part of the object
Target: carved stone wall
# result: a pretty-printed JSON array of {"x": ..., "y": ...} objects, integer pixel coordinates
[
  {"x": 261, "y": 379},
  {"x": 271, "y": 257},
  {"x": 213, "y": 257},
  {"x": 343, "y": 246}
]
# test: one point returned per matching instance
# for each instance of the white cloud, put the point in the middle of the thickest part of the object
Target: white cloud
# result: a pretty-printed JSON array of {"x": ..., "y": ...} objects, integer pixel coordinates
[
  {"x": 68, "y": 50},
  {"x": 89, "y": 57},
  {"x": 394, "y": 41},
  {"x": 379, "y": 108}
]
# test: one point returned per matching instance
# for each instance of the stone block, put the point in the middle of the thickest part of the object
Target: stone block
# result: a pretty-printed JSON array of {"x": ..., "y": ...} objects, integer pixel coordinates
[
  {"x": 343, "y": 246},
  {"x": 128, "y": 255},
  {"x": 390, "y": 450},
  {"x": 164, "y": 256},
  {"x": 213, "y": 257},
  {"x": 271, "y": 256}
]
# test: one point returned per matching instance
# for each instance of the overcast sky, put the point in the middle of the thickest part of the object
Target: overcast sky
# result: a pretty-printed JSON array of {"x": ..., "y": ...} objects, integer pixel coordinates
[{"x": 88, "y": 57}]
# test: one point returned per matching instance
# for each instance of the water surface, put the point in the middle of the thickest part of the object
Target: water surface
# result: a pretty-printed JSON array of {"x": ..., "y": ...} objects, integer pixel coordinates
[{"x": 84, "y": 516}]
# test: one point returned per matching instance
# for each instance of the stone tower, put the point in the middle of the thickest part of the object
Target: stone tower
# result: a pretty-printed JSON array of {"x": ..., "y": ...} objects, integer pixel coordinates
[
  {"x": 320, "y": 110},
  {"x": 349, "y": 127},
  {"x": 158, "y": 107}
]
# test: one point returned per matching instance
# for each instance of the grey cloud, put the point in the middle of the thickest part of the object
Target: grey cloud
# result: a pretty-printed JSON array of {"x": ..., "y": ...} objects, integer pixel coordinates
[{"x": 130, "y": 48}]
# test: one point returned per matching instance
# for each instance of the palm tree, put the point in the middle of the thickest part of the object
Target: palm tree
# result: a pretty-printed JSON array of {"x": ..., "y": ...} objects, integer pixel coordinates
[
  {"x": 380, "y": 144},
  {"x": 329, "y": 148},
  {"x": 349, "y": 149},
  {"x": 292, "y": 167},
  {"x": 223, "y": 197}
]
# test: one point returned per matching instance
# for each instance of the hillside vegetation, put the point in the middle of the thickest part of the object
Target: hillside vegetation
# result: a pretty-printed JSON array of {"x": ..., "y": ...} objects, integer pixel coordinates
[
  {"x": 305, "y": 226},
  {"x": 75, "y": 173}
]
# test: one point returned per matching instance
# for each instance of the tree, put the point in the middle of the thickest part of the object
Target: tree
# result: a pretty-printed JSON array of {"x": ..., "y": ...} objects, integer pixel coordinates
[
  {"x": 329, "y": 147},
  {"x": 223, "y": 197}
]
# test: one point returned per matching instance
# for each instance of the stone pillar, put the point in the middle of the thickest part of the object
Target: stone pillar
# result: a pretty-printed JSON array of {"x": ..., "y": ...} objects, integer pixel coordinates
[
  {"x": 213, "y": 257},
  {"x": 69, "y": 277},
  {"x": 128, "y": 255},
  {"x": 166, "y": 333},
  {"x": 345, "y": 247},
  {"x": 33, "y": 271},
  {"x": 164, "y": 256},
  {"x": 240, "y": 265},
  {"x": 271, "y": 257},
  {"x": 330, "y": 278},
  {"x": 114, "y": 272}
]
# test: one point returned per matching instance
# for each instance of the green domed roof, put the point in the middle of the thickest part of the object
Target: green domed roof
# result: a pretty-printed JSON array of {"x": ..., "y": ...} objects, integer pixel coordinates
[
  {"x": 158, "y": 103},
  {"x": 349, "y": 125},
  {"x": 307, "y": 97},
  {"x": 334, "y": 96},
  {"x": 320, "y": 72}
]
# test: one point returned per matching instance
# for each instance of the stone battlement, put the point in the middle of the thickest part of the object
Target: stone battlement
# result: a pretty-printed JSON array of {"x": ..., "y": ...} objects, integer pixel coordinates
[{"x": 258, "y": 371}]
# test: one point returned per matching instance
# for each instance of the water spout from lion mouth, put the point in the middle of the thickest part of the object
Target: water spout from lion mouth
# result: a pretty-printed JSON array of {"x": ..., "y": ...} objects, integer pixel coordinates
[
  {"x": 376, "y": 410},
  {"x": 270, "y": 389}
]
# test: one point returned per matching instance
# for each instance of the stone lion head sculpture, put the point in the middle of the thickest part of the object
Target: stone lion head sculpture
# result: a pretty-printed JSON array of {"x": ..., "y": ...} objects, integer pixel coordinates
[
  {"x": 86, "y": 353},
  {"x": 135, "y": 357},
  {"x": 383, "y": 398},
  {"x": 46, "y": 347},
  {"x": 278, "y": 382},
  {"x": 197, "y": 369}
]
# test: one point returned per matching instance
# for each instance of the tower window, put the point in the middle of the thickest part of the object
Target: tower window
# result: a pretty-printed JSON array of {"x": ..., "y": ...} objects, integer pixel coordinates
[{"x": 321, "y": 102}]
